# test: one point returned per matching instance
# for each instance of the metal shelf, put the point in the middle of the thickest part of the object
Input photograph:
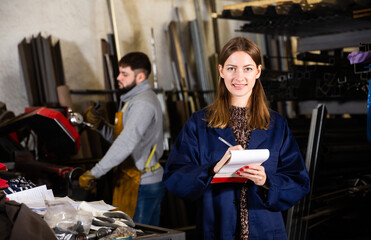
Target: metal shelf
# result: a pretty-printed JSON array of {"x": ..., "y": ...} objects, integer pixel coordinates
[{"x": 320, "y": 28}]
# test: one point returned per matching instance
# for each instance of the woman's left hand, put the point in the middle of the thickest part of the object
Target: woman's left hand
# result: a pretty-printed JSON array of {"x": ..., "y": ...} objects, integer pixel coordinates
[{"x": 254, "y": 173}]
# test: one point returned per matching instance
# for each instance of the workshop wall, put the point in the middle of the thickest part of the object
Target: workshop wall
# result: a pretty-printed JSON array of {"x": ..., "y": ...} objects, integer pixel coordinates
[{"x": 80, "y": 25}]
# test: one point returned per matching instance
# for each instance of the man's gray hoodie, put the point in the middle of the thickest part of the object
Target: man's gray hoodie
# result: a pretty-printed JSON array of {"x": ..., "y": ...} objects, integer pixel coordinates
[{"x": 143, "y": 128}]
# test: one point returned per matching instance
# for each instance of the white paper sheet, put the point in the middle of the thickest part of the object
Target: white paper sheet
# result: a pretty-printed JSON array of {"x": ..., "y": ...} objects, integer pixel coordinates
[
  {"x": 34, "y": 198},
  {"x": 241, "y": 158}
]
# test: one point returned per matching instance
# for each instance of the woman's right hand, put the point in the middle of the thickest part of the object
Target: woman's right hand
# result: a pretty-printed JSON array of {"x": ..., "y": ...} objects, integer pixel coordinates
[{"x": 226, "y": 158}]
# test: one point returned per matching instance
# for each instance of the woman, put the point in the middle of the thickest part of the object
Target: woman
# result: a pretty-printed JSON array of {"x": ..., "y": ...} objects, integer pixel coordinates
[{"x": 239, "y": 114}]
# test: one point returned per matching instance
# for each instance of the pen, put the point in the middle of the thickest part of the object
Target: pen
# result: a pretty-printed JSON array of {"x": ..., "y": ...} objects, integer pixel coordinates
[{"x": 224, "y": 141}]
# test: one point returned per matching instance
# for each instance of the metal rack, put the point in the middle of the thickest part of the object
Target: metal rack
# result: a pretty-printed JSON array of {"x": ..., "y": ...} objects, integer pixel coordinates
[{"x": 325, "y": 28}]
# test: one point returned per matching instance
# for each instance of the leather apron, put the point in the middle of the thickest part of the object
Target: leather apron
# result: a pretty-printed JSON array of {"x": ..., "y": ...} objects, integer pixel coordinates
[{"x": 126, "y": 175}]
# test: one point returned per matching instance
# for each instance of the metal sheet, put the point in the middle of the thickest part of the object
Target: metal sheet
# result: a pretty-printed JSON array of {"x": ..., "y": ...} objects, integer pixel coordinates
[
  {"x": 296, "y": 227},
  {"x": 333, "y": 41},
  {"x": 50, "y": 79},
  {"x": 58, "y": 64},
  {"x": 37, "y": 69},
  {"x": 29, "y": 78},
  {"x": 179, "y": 60}
]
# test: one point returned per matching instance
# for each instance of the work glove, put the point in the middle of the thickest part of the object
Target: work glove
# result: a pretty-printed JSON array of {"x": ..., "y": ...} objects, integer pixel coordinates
[
  {"x": 94, "y": 116},
  {"x": 87, "y": 181}
]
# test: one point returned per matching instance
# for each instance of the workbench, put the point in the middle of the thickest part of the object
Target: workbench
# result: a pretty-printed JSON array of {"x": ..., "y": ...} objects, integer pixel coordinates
[{"x": 158, "y": 233}]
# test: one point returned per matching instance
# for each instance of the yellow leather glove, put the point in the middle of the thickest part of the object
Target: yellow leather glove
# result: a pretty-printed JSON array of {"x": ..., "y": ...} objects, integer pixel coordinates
[
  {"x": 87, "y": 180},
  {"x": 94, "y": 116}
]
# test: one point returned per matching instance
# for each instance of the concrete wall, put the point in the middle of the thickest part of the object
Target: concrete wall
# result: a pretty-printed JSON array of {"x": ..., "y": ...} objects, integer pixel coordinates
[{"x": 80, "y": 25}]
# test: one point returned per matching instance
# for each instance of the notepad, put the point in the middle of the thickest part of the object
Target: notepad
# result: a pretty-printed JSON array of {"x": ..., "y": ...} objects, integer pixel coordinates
[{"x": 240, "y": 159}]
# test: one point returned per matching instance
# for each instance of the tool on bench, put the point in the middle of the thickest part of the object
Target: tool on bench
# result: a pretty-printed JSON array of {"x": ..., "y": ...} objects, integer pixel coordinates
[{"x": 113, "y": 219}]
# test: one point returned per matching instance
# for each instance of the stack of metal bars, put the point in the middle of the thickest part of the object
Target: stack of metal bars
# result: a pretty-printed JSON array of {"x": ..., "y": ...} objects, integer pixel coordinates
[{"x": 42, "y": 69}]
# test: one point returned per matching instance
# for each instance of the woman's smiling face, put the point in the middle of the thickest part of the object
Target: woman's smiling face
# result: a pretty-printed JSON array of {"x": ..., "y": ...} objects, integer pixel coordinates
[{"x": 239, "y": 73}]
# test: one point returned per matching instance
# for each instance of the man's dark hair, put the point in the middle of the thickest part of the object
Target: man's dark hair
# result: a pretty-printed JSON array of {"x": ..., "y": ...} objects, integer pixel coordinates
[{"x": 136, "y": 61}]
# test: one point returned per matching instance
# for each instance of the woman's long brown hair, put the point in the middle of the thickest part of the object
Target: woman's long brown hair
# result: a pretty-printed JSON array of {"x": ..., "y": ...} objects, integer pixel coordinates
[{"x": 218, "y": 111}]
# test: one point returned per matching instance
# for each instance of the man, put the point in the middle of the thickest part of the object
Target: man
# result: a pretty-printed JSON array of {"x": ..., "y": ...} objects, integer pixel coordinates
[{"x": 137, "y": 144}]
